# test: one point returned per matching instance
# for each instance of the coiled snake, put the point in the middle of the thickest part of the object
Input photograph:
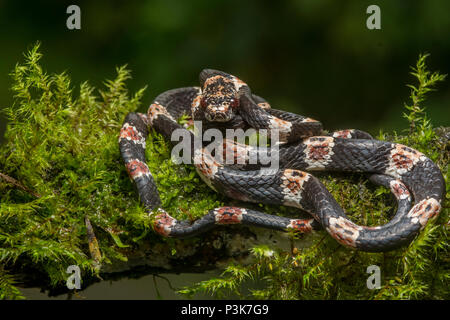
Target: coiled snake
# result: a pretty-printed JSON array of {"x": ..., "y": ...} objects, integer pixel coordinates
[{"x": 223, "y": 101}]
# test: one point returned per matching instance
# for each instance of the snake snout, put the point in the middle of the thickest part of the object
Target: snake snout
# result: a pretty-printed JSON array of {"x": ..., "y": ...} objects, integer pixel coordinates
[{"x": 214, "y": 114}]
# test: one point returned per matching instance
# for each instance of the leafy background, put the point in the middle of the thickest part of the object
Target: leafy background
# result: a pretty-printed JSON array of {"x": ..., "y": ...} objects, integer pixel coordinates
[{"x": 314, "y": 57}]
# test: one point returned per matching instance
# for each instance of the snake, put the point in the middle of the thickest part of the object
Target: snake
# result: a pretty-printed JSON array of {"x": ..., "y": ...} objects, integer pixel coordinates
[{"x": 224, "y": 102}]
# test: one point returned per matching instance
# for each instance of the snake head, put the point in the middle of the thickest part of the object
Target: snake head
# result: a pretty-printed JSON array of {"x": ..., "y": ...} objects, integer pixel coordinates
[{"x": 219, "y": 99}]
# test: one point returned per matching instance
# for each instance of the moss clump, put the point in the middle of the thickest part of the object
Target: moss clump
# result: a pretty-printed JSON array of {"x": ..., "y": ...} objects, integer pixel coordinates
[
  {"x": 61, "y": 170},
  {"x": 60, "y": 163}
]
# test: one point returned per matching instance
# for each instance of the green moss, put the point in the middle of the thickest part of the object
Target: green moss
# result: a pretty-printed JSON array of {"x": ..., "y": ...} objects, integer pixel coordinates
[
  {"x": 61, "y": 151},
  {"x": 182, "y": 191}
]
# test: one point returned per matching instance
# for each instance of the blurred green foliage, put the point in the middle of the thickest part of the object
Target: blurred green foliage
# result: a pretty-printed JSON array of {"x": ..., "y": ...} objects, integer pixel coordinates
[{"x": 314, "y": 57}]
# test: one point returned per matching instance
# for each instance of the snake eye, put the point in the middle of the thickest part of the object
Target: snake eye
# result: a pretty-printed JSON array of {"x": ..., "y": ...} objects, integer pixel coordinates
[
  {"x": 234, "y": 103},
  {"x": 203, "y": 102}
]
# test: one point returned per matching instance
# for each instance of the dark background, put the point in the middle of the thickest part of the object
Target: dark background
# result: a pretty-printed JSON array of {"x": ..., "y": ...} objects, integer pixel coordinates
[{"x": 313, "y": 57}]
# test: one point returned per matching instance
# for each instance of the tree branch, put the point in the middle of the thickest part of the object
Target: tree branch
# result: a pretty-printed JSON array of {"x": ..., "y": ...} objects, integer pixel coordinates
[{"x": 19, "y": 185}]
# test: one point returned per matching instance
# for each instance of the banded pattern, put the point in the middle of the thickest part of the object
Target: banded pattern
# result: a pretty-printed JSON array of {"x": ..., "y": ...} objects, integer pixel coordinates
[{"x": 224, "y": 101}]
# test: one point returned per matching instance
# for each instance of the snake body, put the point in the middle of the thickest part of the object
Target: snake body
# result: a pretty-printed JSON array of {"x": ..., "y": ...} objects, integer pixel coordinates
[{"x": 223, "y": 101}]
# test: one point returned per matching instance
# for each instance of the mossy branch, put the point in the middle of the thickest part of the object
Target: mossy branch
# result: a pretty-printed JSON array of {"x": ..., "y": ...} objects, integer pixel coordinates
[{"x": 63, "y": 146}]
